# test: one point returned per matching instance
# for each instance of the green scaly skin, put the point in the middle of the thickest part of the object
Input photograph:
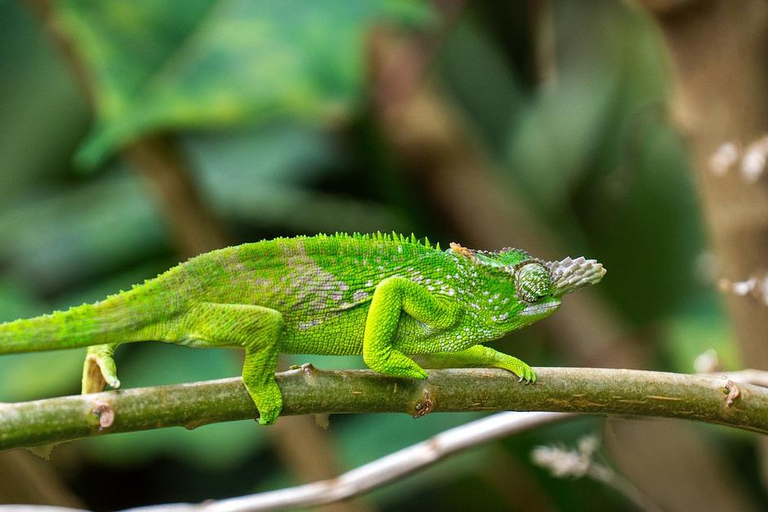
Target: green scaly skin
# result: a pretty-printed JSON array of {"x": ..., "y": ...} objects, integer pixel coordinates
[{"x": 386, "y": 297}]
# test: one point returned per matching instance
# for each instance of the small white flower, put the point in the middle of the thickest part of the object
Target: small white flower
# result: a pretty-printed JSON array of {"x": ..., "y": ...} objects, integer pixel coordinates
[{"x": 724, "y": 159}]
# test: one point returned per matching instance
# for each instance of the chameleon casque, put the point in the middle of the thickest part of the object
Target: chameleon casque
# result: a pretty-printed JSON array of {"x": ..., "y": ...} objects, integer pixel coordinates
[{"x": 386, "y": 297}]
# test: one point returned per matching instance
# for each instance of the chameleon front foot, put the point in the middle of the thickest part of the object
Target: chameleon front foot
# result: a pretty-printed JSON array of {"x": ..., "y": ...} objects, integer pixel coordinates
[
  {"x": 524, "y": 372},
  {"x": 480, "y": 356}
]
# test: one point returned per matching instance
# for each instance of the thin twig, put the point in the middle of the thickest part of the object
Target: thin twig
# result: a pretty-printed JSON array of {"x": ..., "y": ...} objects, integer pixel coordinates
[
  {"x": 309, "y": 391},
  {"x": 381, "y": 471},
  {"x": 748, "y": 376},
  {"x": 365, "y": 478},
  {"x": 581, "y": 462}
]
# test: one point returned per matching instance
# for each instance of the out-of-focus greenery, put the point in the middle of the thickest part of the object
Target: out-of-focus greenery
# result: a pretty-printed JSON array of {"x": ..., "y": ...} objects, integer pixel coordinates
[
  {"x": 268, "y": 100},
  {"x": 157, "y": 65}
]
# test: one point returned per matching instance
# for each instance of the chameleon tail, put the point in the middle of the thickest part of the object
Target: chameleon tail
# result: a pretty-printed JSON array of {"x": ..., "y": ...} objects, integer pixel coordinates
[{"x": 116, "y": 319}]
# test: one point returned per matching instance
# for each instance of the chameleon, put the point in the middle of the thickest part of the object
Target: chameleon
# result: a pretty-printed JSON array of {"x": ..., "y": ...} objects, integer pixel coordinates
[{"x": 385, "y": 297}]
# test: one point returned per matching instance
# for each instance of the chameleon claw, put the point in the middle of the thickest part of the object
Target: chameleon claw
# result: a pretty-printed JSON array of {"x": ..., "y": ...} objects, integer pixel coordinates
[
  {"x": 525, "y": 373},
  {"x": 527, "y": 376},
  {"x": 265, "y": 421}
]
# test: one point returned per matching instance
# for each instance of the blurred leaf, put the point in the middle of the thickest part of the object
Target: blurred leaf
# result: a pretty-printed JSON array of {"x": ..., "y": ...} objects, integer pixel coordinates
[
  {"x": 299, "y": 210},
  {"x": 642, "y": 221},
  {"x": 53, "y": 239},
  {"x": 482, "y": 82},
  {"x": 42, "y": 116},
  {"x": 554, "y": 145},
  {"x": 37, "y": 375},
  {"x": 691, "y": 334},
  {"x": 16, "y": 302},
  {"x": 264, "y": 176},
  {"x": 276, "y": 152},
  {"x": 550, "y": 149},
  {"x": 162, "y": 65},
  {"x": 221, "y": 445}
]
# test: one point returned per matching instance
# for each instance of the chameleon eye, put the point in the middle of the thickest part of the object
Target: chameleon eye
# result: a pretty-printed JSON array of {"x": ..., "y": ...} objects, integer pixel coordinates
[{"x": 532, "y": 282}]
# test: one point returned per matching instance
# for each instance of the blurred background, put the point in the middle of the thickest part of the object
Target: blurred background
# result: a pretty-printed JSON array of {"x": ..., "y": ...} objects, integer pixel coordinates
[{"x": 134, "y": 135}]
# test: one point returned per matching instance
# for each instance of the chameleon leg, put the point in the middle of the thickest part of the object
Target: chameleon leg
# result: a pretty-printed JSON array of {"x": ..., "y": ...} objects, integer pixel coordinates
[
  {"x": 480, "y": 356},
  {"x": 100, "y": 369},
  {"x": 391, "y": 297},
  {"x": 254, "y": 328}
]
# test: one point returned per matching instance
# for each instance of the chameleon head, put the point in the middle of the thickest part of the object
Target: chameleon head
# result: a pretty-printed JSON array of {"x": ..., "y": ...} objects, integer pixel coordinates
[
  {"x": 539, "y": 285},
  {"x": 542, "y": 284}
]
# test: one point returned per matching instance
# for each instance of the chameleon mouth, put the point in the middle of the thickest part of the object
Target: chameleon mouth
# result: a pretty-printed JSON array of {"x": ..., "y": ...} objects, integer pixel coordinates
[
  {"x": 540, "y": 309},
  {"x": 570, "y": 275}
]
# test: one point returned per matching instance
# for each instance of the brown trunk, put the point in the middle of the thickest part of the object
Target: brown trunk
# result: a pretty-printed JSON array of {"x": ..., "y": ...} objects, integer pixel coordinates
[{"x": 720, "y": 71}]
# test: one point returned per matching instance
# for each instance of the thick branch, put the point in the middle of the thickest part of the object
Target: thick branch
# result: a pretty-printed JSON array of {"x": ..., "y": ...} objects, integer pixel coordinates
[{"x": 310, "y": 391}]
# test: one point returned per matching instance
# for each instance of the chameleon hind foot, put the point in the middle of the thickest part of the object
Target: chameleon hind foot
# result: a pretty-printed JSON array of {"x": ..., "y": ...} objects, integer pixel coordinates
[
  {"x": 268, "y": 401},
  {"x": 259, "y": 379},
  {"x": 395, "y": 363},
  {"x": 99, "y": 369},
  {"x": 256, "y": 329}
]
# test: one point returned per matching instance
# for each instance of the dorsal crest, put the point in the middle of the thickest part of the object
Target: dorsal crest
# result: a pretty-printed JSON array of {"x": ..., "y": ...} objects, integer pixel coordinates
[{"x": 505, "y": 259}]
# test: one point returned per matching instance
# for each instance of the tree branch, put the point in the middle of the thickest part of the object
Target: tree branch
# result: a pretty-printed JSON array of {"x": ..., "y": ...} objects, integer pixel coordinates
[{"x": 310, "y": 391}]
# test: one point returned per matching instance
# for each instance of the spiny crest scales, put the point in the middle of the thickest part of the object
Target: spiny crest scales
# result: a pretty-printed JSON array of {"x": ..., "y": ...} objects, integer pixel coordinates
[{"x": 387, "y": 237}]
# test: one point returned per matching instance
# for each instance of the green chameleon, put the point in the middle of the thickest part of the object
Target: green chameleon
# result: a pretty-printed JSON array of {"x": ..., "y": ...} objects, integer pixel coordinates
[{"x": 386, "y": 297}]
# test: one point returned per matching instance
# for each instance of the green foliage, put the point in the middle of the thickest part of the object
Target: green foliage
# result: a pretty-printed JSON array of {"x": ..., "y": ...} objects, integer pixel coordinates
[
  {"x": 160, "y": 65},
  {"x": 260, "y": 95}
]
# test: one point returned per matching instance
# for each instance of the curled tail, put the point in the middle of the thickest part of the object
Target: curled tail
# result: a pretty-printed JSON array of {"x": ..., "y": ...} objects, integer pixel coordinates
[{"x": 119, "y": 318}]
